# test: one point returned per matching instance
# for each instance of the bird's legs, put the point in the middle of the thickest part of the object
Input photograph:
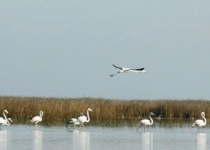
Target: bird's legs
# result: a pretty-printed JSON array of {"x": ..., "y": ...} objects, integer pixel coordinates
[{"x": 138, "y": 126}]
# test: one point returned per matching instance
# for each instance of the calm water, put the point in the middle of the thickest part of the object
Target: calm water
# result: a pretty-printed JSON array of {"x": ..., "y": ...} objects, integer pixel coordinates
[{"x": 25, "y": 137}]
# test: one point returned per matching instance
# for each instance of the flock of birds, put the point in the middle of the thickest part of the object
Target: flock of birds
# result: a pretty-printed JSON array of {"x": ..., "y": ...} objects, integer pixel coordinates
[
  {"x": 79, "y": 121},
  {"x": 82, "y": 118}
]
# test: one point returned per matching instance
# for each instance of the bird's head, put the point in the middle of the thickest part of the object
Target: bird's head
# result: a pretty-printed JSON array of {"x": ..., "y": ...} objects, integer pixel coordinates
[
  {"x": 89, "y": 109},
  {"x": 6, "y": 111},
  {"x": 203, "y": 113},
  {"x": 81, "y": 114},
  {"x": 9, "y": 119},
  {"x": 151, "y": 114}
]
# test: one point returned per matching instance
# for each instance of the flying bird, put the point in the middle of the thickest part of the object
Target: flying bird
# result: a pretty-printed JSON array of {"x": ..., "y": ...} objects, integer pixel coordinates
[
  {"x": 83, "y": 119},
  {"x": 37, "y": 119},
  {"x": 73, "y": 121},
  {"x": 146, "y": 122},
  {"x": 199, "y": 122},
  {"x": 124, "y": 70}
]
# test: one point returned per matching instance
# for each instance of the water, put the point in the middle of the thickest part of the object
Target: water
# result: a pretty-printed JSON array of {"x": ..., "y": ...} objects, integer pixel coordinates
[{"x": 27, "y": 137}]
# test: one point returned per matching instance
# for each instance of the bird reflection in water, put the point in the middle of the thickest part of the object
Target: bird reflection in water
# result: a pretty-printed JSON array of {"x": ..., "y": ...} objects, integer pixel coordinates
[
  {"x": 38, "y": 137},
  {"x": 201, "y": 141},
  {"x": 81, "y": 140},
  {"x": 147, "y": 141},
  {"x": 3, "y": 139}
]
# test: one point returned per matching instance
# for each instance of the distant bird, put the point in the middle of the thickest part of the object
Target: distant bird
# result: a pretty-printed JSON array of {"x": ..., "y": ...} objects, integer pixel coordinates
[
  {"x": 199, "y": 122},
  {"x": 146, "y": 122},
  {"x": 73, "y": 121},
  {"x": 5, "y": 121},
  {"x": 123, "y": 70},
  {"x": 83, "y": 119},
  {"x": 37, "y": 119},
  {"x": 159, "y": 117}
]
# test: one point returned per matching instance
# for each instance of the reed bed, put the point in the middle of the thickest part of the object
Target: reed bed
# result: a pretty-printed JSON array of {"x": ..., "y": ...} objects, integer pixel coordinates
[{"x": 105, "y": 111}]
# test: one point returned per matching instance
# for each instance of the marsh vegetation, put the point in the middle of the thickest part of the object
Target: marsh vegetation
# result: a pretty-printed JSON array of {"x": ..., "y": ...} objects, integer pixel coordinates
[{"x": 105, "y": 111}]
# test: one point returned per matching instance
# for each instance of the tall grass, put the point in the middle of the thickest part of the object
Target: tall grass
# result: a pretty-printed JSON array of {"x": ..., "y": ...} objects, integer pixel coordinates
[{"x": 105, "y": 111}]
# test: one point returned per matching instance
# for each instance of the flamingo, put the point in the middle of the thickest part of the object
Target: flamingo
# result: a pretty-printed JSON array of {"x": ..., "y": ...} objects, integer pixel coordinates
[
  {"x": 37, "y": 119},
  {"x": 159, "y": 117},
  {"x": 83, "y": 119},
  {"x": 146, "y": 122},
  {"x": 199, "y": 122},
  {"x": 5, "y": 120},
  {"x": 74, "y": 121},
  {"x": 7, "y": 123},
  {"x": 123, "y": 70}
]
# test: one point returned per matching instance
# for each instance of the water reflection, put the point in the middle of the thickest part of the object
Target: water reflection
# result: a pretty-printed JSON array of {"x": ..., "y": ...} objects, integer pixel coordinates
[
  {"x": 38, "y": 140},
  {"x": 3, "y": 139},
  {"x": 201, "y": 141},
  {"x": 81, "y": 140},
  {"x": 147, "y": 141}
]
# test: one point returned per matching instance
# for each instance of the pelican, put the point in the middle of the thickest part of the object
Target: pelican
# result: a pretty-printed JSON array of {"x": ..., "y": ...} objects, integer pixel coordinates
[
  {"x": 83, "y": 119},
  {"x": 37, "y": 119},
  {"x": 5, "y": 121},
  {"x": 146, "y": 122},
  {"x": 74, "y": 121},
  {"x": 123, "y": 70},
  {"x": 199, "y": 122}
]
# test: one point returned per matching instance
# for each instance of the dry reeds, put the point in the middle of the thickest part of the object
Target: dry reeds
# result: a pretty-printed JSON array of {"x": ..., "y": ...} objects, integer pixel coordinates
[{"x": 105, "y": 111}]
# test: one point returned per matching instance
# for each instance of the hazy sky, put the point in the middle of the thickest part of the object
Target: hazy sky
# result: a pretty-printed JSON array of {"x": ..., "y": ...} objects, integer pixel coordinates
[{"x": 66, "y": 48}]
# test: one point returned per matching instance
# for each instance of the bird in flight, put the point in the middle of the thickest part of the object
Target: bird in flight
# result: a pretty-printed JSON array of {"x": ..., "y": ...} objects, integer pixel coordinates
[{"x": 124, "y": 70}]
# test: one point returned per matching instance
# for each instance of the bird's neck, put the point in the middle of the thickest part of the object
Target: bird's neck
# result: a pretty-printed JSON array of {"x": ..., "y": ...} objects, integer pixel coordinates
[
  {"x": 40, "y": 114},
  {"x": 5, "y": 117},
  {"x": 204, "y": 119},
  {"x": 8, "y": 123},
  {"x": 88, "y": 117},
  {"x": 151, "y": 119}
]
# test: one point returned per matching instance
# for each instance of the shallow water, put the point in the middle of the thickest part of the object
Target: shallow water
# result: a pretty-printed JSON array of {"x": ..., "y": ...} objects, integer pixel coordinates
[{"x": 27, "y": 137}]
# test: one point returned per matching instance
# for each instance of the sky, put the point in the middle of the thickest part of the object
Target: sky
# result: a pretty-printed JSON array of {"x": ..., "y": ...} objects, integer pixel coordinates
[{"x": 66, "y": 49}]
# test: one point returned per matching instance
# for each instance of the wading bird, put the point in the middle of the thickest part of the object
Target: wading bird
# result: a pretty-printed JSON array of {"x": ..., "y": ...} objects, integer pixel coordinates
[
  {"x": 199, "y": 122},
  {"x": 123, "y": 70},
  {"x": 37, "y": 119},
  {"x": 146, "y": 122},
  {"x": 5, "y": 121},
  {"x": 83, "y": 119},
  {"x": 159, "y": 117},
  {"x": 73, "y": 121}
]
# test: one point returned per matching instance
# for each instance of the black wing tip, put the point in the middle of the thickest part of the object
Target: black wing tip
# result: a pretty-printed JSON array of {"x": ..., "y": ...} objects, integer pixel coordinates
[{"x": 140, "y": 69}]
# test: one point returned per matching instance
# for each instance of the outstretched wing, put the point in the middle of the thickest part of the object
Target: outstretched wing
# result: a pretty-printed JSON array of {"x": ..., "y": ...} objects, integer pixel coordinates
[
  {"x": 140, "y": 69},
  {"x": 112, "y": 75},
  {"x": 117, "y": 67}
]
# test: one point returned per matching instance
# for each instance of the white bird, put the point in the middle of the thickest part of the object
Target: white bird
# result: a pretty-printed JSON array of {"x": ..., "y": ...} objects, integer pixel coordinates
[
  {"x": 74, "y": 121},
  {"x": 83, "y": 119},
  {"x": 146, "y": 122},
  {"x": 37, "y": 119},
  {"x": 123, "y": 70},
  {"x": 199, "y": 122},
  {"x": 159, "y": 117},
  {"x": 5, "y": 121}
]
